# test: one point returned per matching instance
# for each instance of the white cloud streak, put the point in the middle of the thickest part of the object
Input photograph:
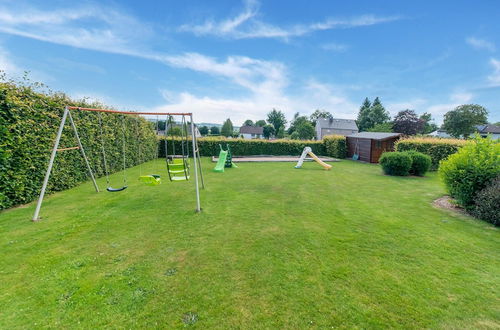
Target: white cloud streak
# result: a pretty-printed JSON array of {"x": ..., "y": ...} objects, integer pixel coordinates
[
  {"x": 88, "y": 27},
  {"x": 480, "y": 44},
  {"x": 247, "y": 25},
  {"x": 335, "y": 47},
  {"x": 494, "y": 78}
]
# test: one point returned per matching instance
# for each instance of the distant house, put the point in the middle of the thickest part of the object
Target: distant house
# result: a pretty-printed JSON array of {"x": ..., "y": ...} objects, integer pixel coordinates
[
  {"x": 335, "y": 126},
  {"x": 369, "y": 146},
  {"x": 483, "y": 130},
  {"x": 252, "y": 132},
  {"x": 492, "y": 130},
  {"x": 440, "y": 133}
]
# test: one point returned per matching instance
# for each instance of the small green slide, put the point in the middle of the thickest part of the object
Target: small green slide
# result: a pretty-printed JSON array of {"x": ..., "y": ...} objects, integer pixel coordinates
[{"x": 219, "y": 167}]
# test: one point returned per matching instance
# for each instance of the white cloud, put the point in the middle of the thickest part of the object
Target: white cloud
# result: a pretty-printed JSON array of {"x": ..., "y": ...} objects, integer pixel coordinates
[
  {"x": 314, "y": 95},
  {"x": 246, "y": 25},
  {"x": 480, "y": 44},
  {"x": 455, "y": 99},
  {"x": 461, "y": 97},
  {"x": 6, "y": 64},
  {"x": 89, "y": 27},
  {"x": 335, "y": 47},
  {"x": 494, "y": 78},
  {"x": 414, "y": 104}
]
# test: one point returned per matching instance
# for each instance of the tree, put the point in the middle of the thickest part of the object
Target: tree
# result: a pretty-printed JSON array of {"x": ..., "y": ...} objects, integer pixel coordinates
[
  {"x": 277, "y": 119},
  {"x": 378, "y": 114},
  {"x": 306, "y": 131},
  {"x": 227, "y": 128},
  {"x": 162, "y": 125},
  {"x": 260, "y": 123},
  {"x": 280, "y": 133},
  {"x": 296, "y": 122},
  {"x": 268, "y": 131},
  {"x": 214, "y": 130},
  {"x": 294, "y": 136},
  {"x": 203, "y": 130},
  {"x": 248, "y": 122},
  {"x": 385, "y": 127},
  {"x": 363, "y": 120},
  {"x": 429, "y": 125},
  {"x": 319, "y": 114},
  {"x": 462, "y": 120},
  {"x": 408, "y": 123},
  {"x": 175, "y": 131}
]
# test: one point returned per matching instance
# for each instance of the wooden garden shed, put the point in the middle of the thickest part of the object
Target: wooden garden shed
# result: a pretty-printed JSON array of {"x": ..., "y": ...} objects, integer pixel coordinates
[{"x": 370, "y": 145}]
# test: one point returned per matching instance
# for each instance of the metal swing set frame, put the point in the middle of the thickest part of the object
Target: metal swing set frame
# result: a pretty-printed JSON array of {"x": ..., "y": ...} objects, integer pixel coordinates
[{"x": 67, "y": 115}]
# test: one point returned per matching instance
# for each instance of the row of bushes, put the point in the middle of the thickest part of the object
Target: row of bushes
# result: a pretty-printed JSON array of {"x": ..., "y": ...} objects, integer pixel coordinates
[
  {"x": 405, "y": 163},
  {"x": 333, "y": 146},
  {"x": 471, "y": 177},
  {"x": 437, "y": 148},
  {"x": 28, "y": 126}
]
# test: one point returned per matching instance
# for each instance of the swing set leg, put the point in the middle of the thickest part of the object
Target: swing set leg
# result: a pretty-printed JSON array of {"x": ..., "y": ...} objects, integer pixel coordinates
[{"x": 53, "y": 157}]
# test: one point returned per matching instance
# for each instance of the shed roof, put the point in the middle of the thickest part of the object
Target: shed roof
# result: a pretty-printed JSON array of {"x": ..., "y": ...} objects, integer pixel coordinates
[
  {"x": 337, "y": 123},
  {"x": 374, "y": 135},
  {"x": 251, "y": 130}
]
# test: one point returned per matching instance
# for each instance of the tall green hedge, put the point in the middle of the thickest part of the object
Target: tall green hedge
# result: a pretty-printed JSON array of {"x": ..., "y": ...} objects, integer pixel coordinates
[
  {"x": 437, "y": 148},
  {"x": 209, "y": 146},
  {"x": 28, "y": 126},
  {"x": 335, "y": 146}
]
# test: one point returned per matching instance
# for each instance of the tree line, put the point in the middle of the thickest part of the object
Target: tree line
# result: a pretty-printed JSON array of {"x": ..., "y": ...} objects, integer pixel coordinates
[{"x": 372, "y": 117}]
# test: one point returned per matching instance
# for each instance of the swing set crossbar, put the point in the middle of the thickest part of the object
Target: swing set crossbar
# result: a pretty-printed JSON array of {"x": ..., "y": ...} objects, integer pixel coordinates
[{"x": 132, "y": 112}]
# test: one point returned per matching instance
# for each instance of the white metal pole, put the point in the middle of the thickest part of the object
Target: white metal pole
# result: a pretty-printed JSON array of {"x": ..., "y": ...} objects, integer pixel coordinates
[
  {"x": 198, "y": 207},
  {"x": 83, "y": 152},
  {"x": 51, "y": 163}
]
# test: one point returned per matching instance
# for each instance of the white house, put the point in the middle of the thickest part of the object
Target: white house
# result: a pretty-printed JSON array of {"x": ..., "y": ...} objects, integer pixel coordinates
[
  {"x": 252, "y": 132},
  {"x": 332, "y": 126}
]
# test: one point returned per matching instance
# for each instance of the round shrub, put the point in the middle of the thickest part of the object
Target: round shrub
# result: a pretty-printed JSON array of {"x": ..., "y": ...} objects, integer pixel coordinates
[
  {"x": 396, "y": 163},
  {"x": 487, "y": 203},
  {"x": 469, "y": 170},
  {"x": 420, "y": 163}
]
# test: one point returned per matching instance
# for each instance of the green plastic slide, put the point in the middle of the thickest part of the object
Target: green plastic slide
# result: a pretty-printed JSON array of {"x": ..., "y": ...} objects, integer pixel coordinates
[{"x": 219, "y": 167}]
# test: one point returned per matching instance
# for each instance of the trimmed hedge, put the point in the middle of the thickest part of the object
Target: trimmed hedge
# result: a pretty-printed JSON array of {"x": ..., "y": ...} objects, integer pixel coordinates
[
  {"x": 420, "y": 163},
  {"x": 209, "y": 146},
  {"x": 28, "y": 126},
  {"x": 487, "y": 203},
  {"x": 335, "y": 146},
  {"x": 396, "y": 163},
  {"x": 437, "y": 148},
  {"x": 471, "y": 169}
]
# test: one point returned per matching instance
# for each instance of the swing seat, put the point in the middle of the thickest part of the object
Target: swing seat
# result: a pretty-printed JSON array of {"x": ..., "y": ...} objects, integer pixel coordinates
[
  {"x": 355, "y": 157},
  {"x": 150, "y": 180},
  {"x": 111, "y": 189},
  {"x": 179, "y": 178}
]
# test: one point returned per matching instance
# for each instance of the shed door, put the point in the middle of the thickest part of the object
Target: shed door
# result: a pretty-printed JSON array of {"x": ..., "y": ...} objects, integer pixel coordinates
[{"x": 363, "y": 149}]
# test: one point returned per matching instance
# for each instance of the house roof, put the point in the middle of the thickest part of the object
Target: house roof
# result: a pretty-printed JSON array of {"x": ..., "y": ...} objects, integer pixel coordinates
[
  {"x": 488, "y": 129},
  {"x": 337, "y": 123},
  {"x": 374, "y": 135},
  {"x": 251, "y": 130}
]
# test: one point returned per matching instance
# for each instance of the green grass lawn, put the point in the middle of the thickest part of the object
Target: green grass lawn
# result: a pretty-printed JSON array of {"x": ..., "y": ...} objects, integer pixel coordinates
[{"x": 274, "y": 247}]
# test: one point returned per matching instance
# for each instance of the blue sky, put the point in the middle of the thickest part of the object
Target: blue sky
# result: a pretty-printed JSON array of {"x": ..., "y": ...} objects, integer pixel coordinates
[{"x": 240, "y": 59}]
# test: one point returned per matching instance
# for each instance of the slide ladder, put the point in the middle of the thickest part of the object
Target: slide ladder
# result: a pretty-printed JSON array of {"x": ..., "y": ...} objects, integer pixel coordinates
[{"x": 308, "y": 151}]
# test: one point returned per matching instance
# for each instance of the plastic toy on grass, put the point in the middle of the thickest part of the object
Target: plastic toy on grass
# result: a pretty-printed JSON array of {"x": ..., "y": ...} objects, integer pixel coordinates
[
  {"x": 308, "y": 151},
  {"x": 150, "y": 180},
  {"x": 225, "y": 160}
]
